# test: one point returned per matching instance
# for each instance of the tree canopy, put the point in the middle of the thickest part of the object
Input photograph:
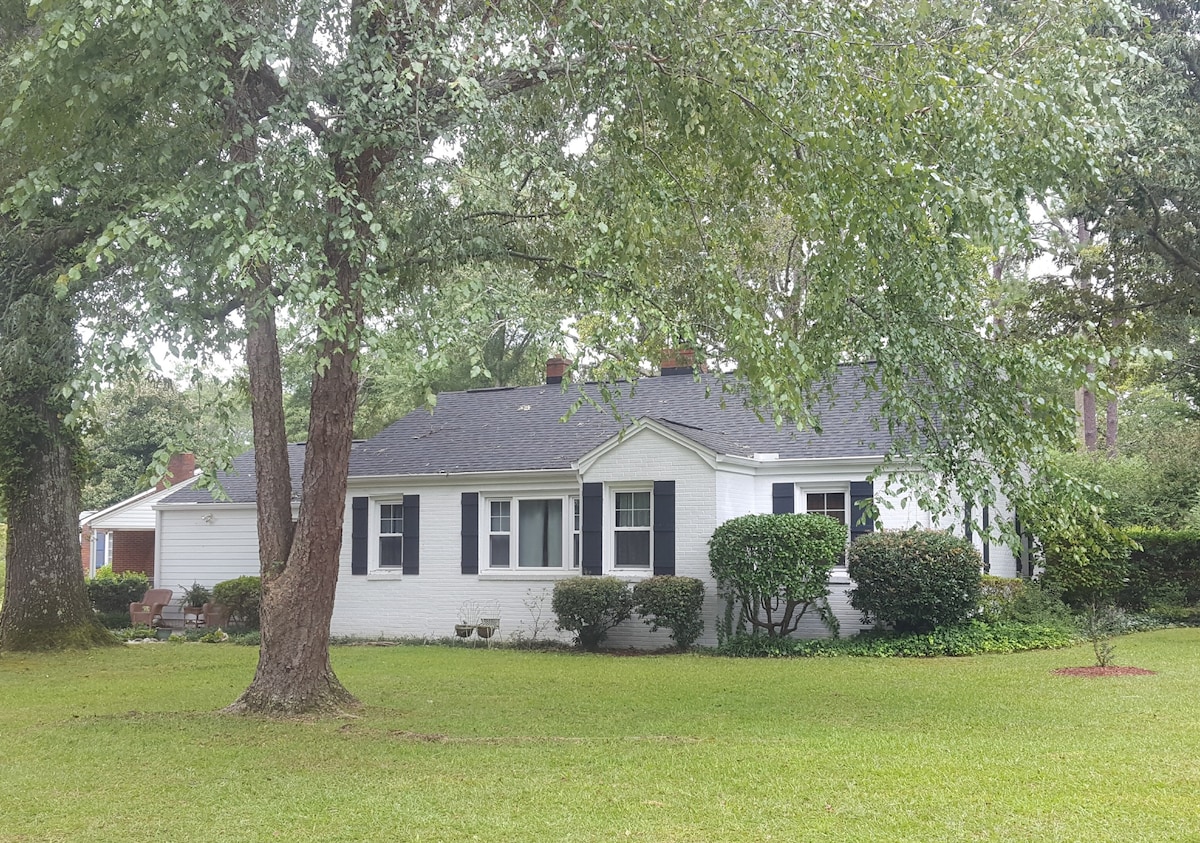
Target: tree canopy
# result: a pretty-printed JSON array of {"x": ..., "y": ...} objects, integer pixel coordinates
[{"x": 784, "y": 186}]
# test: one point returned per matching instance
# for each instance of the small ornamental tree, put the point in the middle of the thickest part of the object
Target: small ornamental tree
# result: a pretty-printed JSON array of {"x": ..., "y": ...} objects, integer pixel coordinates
[
  {"x": 777, "y": 567},
  {"x": 674, "y": 603},
  {"x": 590, "y": 607},
  {"x": 915, "y": 580}
]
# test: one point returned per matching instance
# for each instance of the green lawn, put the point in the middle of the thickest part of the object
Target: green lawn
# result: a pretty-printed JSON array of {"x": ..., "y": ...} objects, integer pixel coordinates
[{"x": 461, "y": 745}]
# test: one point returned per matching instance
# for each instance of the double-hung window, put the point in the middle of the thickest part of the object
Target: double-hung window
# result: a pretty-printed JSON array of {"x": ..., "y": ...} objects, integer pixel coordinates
[
  {"x": 631, "y": 530},
  {"x": 526, "y": 533},
  {"x": 832, "y": 504},
  {"x": 391, "y": 535}
]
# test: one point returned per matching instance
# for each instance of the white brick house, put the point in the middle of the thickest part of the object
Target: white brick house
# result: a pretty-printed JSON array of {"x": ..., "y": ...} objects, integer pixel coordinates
[{"x": 493, "y": 497}]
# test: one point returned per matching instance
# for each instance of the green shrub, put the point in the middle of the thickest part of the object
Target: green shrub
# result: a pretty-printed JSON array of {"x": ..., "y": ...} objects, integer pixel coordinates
[
  {"x": 131, "y": 632},
  {"x": 1084, "y": 557},
  {"x": 112, "y": 593},
  {"x": 248, "y": 639},
  {"x": 1040, "y": 604},
  {"x": 113, "y": 620},
  {"x": 777, "y": 567},
  {"x": 674, "y": 603},
  {"x": 970, "y": 639},
  {"x": 242, "y": 597},
  {"x": 1164, "y": 569},
  {"x": 997, "y": 596},
  {"x": 590, "y": 607},
  {"x": 915, "y": 580}
]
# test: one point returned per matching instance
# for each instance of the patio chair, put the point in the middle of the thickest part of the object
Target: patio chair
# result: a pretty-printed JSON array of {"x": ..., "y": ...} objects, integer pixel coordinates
[
  {"x": 216, "y": 616},
  {"x": 148, "y": 611}
]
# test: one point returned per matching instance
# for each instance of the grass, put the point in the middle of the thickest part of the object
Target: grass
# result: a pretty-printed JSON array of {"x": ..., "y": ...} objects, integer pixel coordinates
[{"x": 463, "y": 745}]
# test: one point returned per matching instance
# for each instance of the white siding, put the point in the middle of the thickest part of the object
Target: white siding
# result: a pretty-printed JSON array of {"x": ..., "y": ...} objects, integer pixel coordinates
[
  {"x": 388, "y": 604},
  {"x": 192, "y": 549},
  {"x": 643, "y": 458},
  {"x": 136, "y": 513}
]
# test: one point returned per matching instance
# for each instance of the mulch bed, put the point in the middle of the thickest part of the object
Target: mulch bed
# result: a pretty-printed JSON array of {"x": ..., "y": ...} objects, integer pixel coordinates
[{"x": 1111, "y": 670}]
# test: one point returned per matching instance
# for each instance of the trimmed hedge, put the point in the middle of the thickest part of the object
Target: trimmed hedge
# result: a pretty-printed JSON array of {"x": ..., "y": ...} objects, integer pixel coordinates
[
  {"x": 970, "y": 639},
  {"x": 915, "y": 580},
  {"x": 590, "y": 607},
  {"x": 674, "y": 603},
  {"x": 110, "y": 594},
  {"x": 242, "y": 596},
  {"x": 1165, "y": 571}
]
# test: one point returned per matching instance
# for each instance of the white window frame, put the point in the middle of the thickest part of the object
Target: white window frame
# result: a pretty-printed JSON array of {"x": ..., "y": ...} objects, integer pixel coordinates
[
  {"x": 802, "y": 493},
  {"x": 376, "y": 570},
  {"x": 575, "y": 505},
  {"x": 514, "y": 536},
  {"x": 611, "y": 530}
]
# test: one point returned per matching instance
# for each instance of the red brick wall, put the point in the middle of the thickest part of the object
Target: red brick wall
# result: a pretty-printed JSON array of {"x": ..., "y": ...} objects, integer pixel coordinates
[
  {"x": 85, "y": 550},
  {"x": 133, "y": 550}
]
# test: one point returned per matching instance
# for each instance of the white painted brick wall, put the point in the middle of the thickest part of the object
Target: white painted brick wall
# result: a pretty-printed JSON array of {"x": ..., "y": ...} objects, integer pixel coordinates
[{"x": 388, "y": 604}]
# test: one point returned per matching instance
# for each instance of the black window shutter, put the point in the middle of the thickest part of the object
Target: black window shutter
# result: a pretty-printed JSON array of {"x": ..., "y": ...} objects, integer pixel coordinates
[
  {"x": 783, "y": 498},
  {"x": 862, "y": 492},
  {"x": 411, "y": 561},
  {"x": 987, "y": 546},
  {"x": 358, "y": 535},
  {"x": 664, "y": 528},
  {"x": 592, "y": 529},
  {"x": 967, "y": 521},
  {"x": 470, "y": 532}
]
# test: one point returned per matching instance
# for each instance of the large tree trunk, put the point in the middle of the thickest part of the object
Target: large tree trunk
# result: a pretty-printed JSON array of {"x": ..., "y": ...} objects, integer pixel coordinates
[
  {"x": 294, "y": 673},
  {"x": 45, "y": 603}
]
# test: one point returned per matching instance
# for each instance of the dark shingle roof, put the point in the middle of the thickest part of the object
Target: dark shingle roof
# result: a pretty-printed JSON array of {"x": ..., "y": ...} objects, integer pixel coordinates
[
  {"x": 520, "y": 429},
  {"x": 239, "y": 483}
]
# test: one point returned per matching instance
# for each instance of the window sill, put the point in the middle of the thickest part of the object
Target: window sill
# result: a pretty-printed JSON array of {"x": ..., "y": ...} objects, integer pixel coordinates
[
  {"x": 630, "y": 574},
  {"x": 528, "y": 573},
  {"x": 384, "y": 574}
]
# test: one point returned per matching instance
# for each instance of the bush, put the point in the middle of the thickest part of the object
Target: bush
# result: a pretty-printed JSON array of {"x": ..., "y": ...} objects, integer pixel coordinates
[
  {"x": 1086, "y": 558},
  {"x": 590, "y": 607},
  {"x": 1040, "y": 604},
  {"x": 970, "y": 639},
  {"x": 1164, "y": 569},
  {"x": 111, "y": 593},
  {"x": 777, "y": 567},
  {"x": 242, "y": 597},
  {"x": 997, "y": 596},
  {"x": 916, "y": 580},
  {"x": 674, "y": 603}
]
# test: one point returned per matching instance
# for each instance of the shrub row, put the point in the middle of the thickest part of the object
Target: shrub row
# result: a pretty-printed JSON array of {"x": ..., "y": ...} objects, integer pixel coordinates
[
  {"x": 591, "y": 606},
  {"x": 110, "y": 595},
  {"x": 1164, "y": 570},
  {"x": 970, "y": 639}
]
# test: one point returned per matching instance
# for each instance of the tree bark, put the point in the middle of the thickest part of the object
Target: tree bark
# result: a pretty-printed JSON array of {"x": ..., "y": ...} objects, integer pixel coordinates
[
  {"x": 1091, "y": 436},
  {"x": 45, "y": 602},
  {"x": 1110, "y": 428},
  {"x": 294, "y": 674}
]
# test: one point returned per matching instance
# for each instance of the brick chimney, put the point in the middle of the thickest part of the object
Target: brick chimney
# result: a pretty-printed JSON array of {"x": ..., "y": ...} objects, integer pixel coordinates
[
  {"x": 678, "y": 361},
  {"x": 179, "y": 468},
  {"x": 556, "y": 368}
]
